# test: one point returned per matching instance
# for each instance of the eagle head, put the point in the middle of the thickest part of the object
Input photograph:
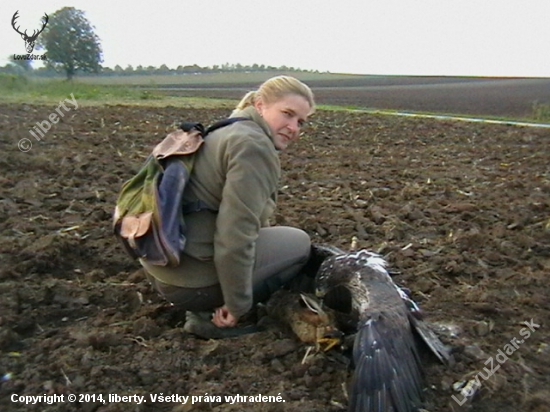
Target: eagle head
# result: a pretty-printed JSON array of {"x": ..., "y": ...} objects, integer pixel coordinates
[
  {"x": 348, "y": 270},
  {"x": 343, "y": 281}
]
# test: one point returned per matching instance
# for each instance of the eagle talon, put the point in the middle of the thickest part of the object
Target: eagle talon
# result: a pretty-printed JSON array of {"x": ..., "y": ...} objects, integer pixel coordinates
[
  {"x": 330, "y": 343},
  {"x": 328, "y": 340}
]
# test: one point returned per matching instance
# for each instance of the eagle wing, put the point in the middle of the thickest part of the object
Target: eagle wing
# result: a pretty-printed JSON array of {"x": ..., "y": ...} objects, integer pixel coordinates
[{"x": 388, "y": 373}]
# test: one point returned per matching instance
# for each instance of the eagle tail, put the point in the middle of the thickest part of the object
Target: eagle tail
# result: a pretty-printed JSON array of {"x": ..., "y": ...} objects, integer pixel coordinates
[{"x": 388, "y": 375}]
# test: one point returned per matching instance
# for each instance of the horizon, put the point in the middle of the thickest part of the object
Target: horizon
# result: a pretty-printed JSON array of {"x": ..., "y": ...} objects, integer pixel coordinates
[{"x": 210, "y": 71}]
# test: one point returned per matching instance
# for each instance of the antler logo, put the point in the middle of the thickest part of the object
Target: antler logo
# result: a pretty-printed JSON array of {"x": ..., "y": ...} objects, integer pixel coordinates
[{"x": 29, "y": 40}]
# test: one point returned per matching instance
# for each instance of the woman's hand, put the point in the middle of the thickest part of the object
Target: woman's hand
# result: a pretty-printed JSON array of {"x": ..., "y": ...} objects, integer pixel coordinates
[{"x": 223, "y": 318}]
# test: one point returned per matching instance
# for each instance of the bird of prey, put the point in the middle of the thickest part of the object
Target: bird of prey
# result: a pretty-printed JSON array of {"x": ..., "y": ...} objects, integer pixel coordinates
[{"x": 388, "y": 372}]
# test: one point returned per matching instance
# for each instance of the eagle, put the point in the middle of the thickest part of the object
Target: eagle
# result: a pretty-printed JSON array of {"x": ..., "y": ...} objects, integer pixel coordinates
[
  {"x": 388, "y": 372},
  {"x": 344, "y": 297}
]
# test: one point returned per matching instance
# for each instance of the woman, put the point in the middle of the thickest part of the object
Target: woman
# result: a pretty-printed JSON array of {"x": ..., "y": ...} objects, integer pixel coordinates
[{"x": 232, "y": 258}]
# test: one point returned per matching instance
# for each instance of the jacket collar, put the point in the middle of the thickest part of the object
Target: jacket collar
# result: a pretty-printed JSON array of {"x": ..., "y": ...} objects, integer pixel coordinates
[{"x": 253, "y": 115}]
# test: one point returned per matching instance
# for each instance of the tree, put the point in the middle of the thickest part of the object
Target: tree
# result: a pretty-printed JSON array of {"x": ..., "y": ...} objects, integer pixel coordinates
[
  {"x": 71, "y": 43},
  {"x": 163, "y": 69}
]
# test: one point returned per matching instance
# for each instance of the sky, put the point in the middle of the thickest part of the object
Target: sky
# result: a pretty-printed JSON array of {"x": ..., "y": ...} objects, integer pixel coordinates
[{"x": 507, "y": 38}]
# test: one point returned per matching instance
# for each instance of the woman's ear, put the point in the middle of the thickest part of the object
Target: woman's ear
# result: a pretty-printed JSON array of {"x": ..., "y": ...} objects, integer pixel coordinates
[{"x": 259, "y": 105}]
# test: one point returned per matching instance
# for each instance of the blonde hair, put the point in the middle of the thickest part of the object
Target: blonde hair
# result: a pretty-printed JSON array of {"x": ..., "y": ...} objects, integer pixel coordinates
[{"x": 276, "y": 88}]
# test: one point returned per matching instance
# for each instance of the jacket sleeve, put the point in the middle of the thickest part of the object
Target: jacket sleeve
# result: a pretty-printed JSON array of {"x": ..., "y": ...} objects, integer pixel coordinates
[{"x": 252, "y": 174}]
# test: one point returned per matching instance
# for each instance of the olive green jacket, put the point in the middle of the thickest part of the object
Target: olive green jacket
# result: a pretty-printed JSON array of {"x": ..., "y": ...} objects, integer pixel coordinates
[{"x": 236, "y": 174}]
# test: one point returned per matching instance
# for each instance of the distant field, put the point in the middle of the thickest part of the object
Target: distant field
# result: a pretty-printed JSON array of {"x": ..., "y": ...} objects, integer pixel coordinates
[
  {"x": 213, "y": 79},
  {"x": 493, "y": 97},
  {"x": 513, "y": 98}
]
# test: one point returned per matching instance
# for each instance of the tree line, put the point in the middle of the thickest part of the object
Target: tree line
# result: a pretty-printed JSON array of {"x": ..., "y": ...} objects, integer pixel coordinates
[{"x": 24, "y": 67}]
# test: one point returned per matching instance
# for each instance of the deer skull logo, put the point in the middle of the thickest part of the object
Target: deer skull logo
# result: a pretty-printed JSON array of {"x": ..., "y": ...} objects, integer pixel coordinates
[{"x": 29, "y": 40}]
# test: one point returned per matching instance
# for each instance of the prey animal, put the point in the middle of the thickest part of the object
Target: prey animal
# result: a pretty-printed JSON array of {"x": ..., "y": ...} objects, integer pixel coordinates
[
  {"x": 388, "y": 372},
  {"x": 308, "y": 320}
]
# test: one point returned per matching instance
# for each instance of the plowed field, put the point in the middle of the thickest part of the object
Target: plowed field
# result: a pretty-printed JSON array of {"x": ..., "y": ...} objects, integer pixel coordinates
[{"x": 460, "y": 210}]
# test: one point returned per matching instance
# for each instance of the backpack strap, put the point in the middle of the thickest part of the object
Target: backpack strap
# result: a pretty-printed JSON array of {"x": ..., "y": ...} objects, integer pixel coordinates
[
  {"x": 199, "y": 205},
  {"x": 188, "y": 126},
  {"x": 223, "y": 123}
]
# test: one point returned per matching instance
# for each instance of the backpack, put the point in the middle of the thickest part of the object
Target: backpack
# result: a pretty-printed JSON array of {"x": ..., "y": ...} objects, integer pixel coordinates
[{"x": 148, "y": 218}]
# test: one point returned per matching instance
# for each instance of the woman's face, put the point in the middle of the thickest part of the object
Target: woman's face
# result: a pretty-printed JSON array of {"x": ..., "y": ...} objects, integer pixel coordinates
[{"x": 285, "y": 117}]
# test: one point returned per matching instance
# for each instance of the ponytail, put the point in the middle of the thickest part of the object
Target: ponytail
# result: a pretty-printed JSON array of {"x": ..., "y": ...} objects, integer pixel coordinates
[{"x": 247, "y": 100}]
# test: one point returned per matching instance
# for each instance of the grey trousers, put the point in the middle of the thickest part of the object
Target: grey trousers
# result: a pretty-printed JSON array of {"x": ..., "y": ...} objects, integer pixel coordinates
[{"x": 280, "y": 254}]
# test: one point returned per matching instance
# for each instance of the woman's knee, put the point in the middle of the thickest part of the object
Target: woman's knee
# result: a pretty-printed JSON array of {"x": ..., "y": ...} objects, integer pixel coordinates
[{"x": 285, "y": 241}]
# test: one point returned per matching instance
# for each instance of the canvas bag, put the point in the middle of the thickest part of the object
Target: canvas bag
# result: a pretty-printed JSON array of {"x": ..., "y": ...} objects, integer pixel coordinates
[{"x": 148, "y": 218}]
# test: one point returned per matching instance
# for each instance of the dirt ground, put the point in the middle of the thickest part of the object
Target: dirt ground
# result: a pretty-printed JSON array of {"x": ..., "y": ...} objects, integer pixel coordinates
[{"x": 460, "y": 210}]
